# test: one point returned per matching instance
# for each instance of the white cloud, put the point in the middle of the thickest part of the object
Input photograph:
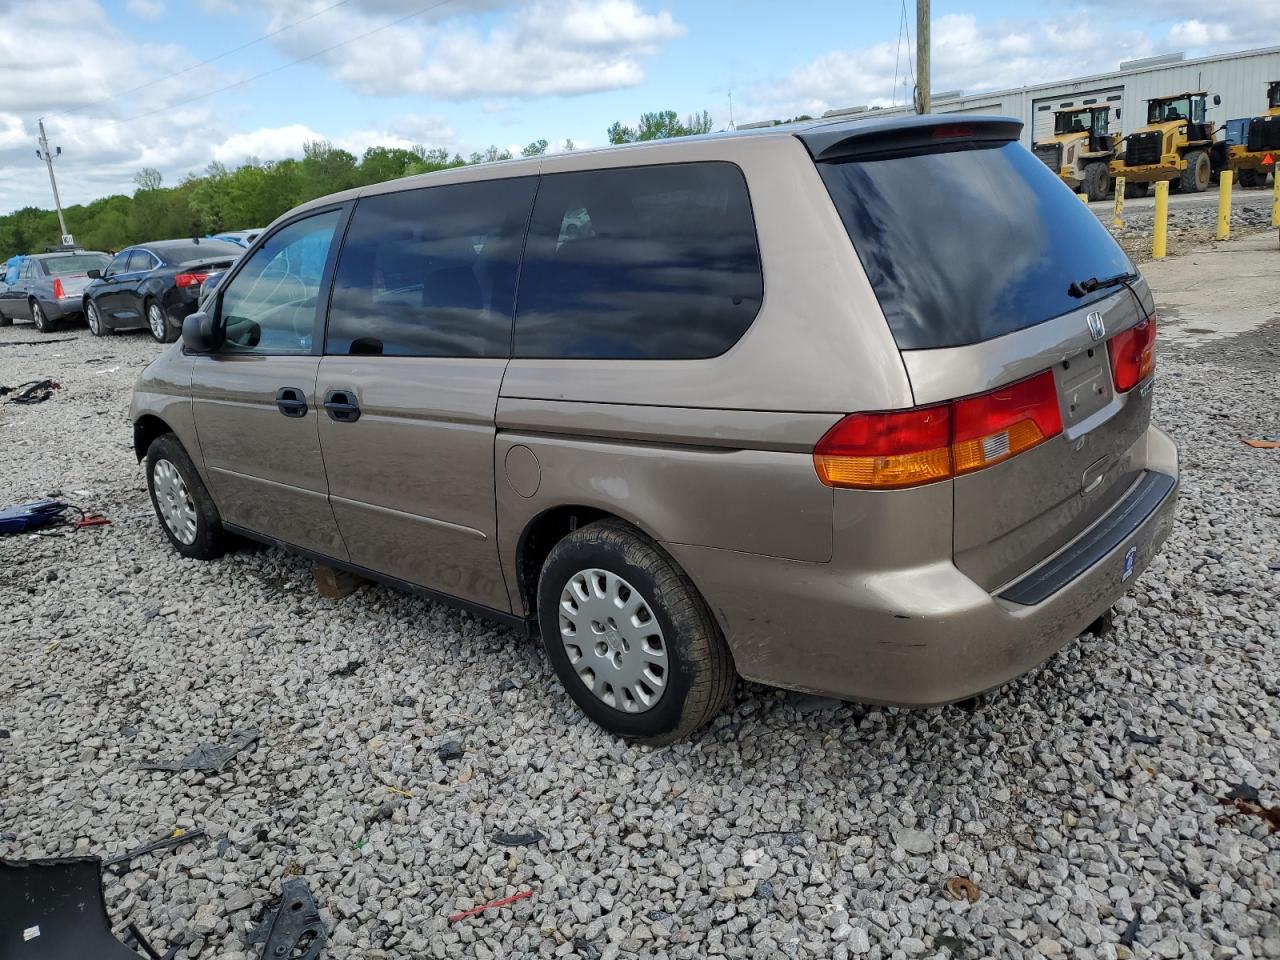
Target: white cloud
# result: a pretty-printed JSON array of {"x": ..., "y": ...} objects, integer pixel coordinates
[
  {"x": 1197, "y": 33},
  {"x": 967, "y": 54},
  {"x": 268, "y": 143},
  {"x": 549, "y": 47},
  {"x": 147, "y": 9}
]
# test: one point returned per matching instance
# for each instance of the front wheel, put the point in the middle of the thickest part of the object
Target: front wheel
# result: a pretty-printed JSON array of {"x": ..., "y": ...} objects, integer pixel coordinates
[
  {"x": 94, "y": 319},
  {"x": 630, "y": 637},
  {"x": 159, "y": 325},
  {"x": 186, "y": 511},
  {"x": 1135, "y": 191},
  {"x": 40, "y": 318},
  {"x": 1199, "y": 170},
  {"x": 1097, "y": 181}
]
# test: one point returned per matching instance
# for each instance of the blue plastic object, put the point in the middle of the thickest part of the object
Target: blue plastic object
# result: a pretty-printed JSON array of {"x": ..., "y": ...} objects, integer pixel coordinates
[{"x": 29, "y": 516}]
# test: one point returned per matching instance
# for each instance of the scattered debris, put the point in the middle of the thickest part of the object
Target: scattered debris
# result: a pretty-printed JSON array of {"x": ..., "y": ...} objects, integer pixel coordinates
[
  {"x": 1151, "y": 741},
  {"x": 398, "y": 792},
  {"x": 1263, "y": 443},
  {"x": 957, "y": 947},
  {"x": 1251, "y": 808},
  {"x": 527, "y": 839},
  {"x": 1130, "y": 932},
  {"x": 35, "y": 343},
  {"x": 505, "y": 901},
  {"x": 505, "y": 684},
  {"x": 295, "y": 930},
  {"x": 349, "y": 670},
  {"x": 450, "y": 750},
  {"x": 962, "y": 888},
  {"x": 124, "y": 863},
  {"x": 32, "y": 515},
  {"x": 54, "y": 910},
  {"x": 32, "y": 392},
  {"x": 1243, "y": 791},
  {"x": 207, "y": 756}
]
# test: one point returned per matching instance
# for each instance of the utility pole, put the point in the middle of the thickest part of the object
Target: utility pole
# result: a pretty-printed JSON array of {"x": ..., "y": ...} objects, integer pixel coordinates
[
  {"x": 45, "y": 155},
  {"x": 922, "y": 56}
]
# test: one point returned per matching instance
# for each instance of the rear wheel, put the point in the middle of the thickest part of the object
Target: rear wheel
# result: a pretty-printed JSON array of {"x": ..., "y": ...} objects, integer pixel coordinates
[
  {"x": 186, "y": 511},
  {"x": 1097, "y": 181},
  {"x": 158, "y": 323},
  {"x": 40, "y": 318},
  {"x": 1195, "y": 178},
  {"x": 5, "y": 321},
  {"x": 630, "y": 637},
  {"x": 94, "y": 319}
]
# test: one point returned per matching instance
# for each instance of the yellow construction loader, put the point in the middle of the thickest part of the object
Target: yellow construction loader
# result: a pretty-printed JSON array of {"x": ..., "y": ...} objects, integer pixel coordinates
[
  {"x": 1081, "y": 149},
  {"x": 1176, "y": 145},
  {"x": 1254, "y": 160}
]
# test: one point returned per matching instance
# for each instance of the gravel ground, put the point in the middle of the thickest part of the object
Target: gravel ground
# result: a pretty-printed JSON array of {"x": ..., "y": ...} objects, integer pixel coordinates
[
  {"x": 1191, "y": 223},
  {"x": 1080, "y": 801}
]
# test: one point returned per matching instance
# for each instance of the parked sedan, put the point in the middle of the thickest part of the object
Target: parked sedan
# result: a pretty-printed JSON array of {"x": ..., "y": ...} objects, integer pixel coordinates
[
  {"x": 154, "y": 285},
  {"x": 48, "y": 288}
]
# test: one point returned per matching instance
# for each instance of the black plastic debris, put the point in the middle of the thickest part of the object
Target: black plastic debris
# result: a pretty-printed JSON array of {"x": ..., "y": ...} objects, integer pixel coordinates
[
  {"x": 505, "y": 684},
  {"x": 296, "y": 930},
  {"x": 208, "y": 756},
  {"x": 527, "y": 839},
  {"x": 1243, "y": 791},
  {"x": 450, "y": 750},
  {"x": 349, "y": 670},
  {"x": 1135, "y": 737},
  {"x": 54, "y": 910},
  {"x": 124, "y": 862},
  {"x": 1131, "y": 931},
  {"x": 34, "y": 391}
]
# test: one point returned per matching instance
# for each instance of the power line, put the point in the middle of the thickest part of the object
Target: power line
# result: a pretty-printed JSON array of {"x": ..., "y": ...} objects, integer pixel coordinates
[
  {"x": 202, "y": 63},
  {"x": 273, "y": 70}
]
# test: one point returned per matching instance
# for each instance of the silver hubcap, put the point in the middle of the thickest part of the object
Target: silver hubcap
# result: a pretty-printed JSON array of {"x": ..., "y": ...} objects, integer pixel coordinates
[
  {"x": 613, "y": 640},
  {"x": 37, "y": 315},
  {"x": 156, "y": 317},
  {"x": 174, "y": 502},
  {"x": 91, "y": 314}
]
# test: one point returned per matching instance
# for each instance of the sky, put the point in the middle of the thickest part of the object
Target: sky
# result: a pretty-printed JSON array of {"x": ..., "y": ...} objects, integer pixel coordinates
[{"x": 177, "y": 84}]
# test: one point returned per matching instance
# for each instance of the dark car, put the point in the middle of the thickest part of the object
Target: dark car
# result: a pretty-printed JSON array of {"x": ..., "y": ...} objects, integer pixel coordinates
[
  {"x": 48, "y": 288},
  {"x": 154, "y": 285}
]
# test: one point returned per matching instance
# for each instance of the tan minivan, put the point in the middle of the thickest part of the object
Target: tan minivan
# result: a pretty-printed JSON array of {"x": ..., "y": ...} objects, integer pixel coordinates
[{"x": 859, "y": 408}]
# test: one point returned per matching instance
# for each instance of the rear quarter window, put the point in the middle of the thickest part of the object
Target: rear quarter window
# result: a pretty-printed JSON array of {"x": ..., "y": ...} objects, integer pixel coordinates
[
  {"x": 963, "y": 246},
  {"x": 639, "y": 263}
]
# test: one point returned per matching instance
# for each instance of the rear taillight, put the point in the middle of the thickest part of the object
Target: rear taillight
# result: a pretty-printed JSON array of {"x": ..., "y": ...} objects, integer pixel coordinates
[
  {"x": 59, "y": 292},
  {"x": 906, "y": 448},
  {"x": 1133, "y": 354},
  {"x": 190, "y": 279}
]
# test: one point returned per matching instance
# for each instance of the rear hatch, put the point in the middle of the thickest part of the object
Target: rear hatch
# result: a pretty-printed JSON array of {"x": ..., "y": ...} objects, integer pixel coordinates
[{"x": 981, "y": 260}]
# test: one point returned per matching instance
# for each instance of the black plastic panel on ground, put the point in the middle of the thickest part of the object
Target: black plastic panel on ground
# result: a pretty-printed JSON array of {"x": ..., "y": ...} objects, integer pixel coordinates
[{"x": 1109, "y": 533}]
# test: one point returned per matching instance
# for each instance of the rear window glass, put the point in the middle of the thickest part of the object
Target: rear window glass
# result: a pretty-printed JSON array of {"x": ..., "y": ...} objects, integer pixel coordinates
[
  {"x": 639, "y": 263},
  {"x": 206, "y": 250},
  {"x": 75, "y": 265},
  {"x": 961, "y": 247}
]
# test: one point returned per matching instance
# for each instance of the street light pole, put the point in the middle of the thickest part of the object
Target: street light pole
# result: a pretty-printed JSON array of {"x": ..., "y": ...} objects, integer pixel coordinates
[
  {"x": 922, "y": 56},
  {"x": 44, "y": 153}
]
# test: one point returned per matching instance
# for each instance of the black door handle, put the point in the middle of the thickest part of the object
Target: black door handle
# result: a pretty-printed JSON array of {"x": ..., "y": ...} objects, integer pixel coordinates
[
  {"x": 342, "y": 406},
  {"x": 291, "y": 401}
]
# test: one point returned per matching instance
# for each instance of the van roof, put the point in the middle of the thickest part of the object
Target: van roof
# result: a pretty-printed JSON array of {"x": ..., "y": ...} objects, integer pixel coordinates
[{"x": 825, "y": 139}]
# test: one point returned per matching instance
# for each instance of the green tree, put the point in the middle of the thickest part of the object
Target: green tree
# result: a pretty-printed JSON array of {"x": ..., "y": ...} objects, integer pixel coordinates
[
  {"x": 535, "y": 149},
  {"x": 661, "y": 125}
]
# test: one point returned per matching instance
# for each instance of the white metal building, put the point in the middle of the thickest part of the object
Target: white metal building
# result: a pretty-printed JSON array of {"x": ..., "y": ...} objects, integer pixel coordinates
[{"x": 1239, "y": 78}]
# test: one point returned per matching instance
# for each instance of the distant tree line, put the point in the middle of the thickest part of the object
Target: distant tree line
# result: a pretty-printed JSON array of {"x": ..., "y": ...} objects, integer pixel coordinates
[{"x": 255, "y": 193}]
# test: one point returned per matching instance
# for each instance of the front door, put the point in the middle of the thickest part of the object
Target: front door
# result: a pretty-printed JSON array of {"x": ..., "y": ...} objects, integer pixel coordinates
[
  {"x": 254, "y": 399},
  {"x": 418, "y": 337},
  {"x": 107, "y": 293}
]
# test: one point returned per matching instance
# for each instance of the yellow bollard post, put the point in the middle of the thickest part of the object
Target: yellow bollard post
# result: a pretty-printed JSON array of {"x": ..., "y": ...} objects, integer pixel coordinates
[
  {"x": 1117, "y": 216},
  {"x": 1224, "y": 205},
  {"x": 1158, "y": 242},
  {"x": 1275, "y": 206},
  {"x": 1084, "y": 198}
]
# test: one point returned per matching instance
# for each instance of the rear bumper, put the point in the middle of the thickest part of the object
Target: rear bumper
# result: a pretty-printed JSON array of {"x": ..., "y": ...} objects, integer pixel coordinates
[
  {"x": 65, "y": 309},
  {"x": 921, "y": 635}
]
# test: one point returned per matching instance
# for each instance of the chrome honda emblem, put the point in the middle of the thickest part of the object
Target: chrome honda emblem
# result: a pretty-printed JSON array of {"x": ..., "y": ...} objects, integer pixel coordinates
[{"x": 1097, "y": 329}]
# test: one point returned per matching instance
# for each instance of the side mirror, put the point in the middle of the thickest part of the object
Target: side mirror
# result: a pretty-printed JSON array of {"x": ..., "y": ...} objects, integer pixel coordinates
[
  {"x": 1217, "y": 100},
  {"x": 95, "y": 274},
  {"x": 200, "y": 334}
]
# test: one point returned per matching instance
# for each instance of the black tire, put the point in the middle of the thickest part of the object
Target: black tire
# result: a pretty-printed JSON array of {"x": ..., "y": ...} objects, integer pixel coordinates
[
  {"x": 167, "y": 333},
  {"x": 93, "y": 319},
  {"x": 208, "y": 539},
  {"x": 1097, "y": 182},
  {"x": 5, "y": 321},
  {"x": 1135, "y": 191},
  {"x": 701, "y": 677},
  {"x": 40, "y": 318},
  {"x": 1198, "y": 173},
  {"x": 1245, "y": 178}
]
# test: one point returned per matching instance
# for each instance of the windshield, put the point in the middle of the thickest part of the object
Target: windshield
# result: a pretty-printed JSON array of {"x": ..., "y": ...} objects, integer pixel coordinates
[
  {"x": 964, "y": 246},
  {"x": 1273, "y": 95},
  {"x": 1178, "y": 108},
  {"x": 80, "y": 263},
  {"x": 1076, "y": 122}
]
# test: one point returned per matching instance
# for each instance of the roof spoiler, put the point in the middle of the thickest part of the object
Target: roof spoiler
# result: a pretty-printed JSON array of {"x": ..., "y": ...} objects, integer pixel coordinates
[{"x": 862, "y": 138}]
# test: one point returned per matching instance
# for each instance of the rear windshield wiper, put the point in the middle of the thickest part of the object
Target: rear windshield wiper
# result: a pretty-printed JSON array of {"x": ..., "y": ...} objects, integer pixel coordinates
[{"x": 1080, "y": 288}]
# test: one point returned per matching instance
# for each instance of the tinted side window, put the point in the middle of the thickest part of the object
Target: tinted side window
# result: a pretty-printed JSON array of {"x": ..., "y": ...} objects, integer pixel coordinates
[
  {"x": 639, "y": 263},
  {"x": 269, "y": 306},
  {"x": 431, "y": 272},
  {"x": 119, "y": 264},
  {"x": 140, "y": 261}
]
